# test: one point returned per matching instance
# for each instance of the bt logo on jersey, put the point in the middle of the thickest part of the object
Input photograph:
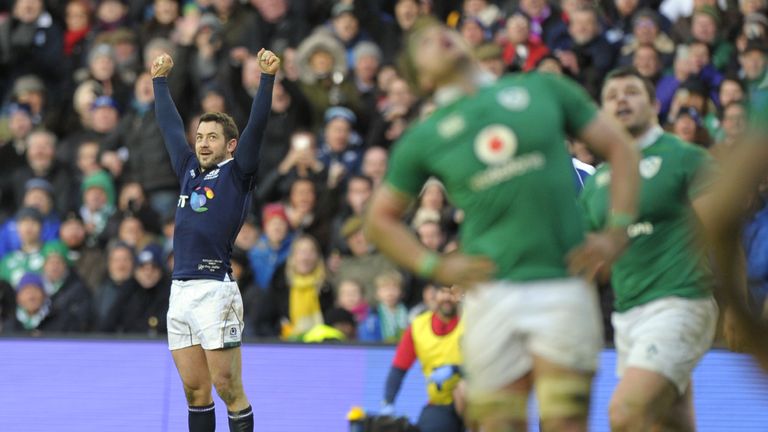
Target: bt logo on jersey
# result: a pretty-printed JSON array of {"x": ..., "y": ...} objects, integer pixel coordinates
[{"x": 199, "y": 197}]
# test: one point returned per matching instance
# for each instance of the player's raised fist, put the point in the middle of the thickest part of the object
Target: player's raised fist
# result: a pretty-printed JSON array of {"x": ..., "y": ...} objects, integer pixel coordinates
[
  {"x": 161, "y": 66},
  {"x": 268, "y": 61}
]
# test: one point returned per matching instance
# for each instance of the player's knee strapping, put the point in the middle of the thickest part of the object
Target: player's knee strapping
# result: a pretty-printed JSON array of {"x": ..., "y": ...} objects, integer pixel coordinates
[
  {"x": 563, "y": 396},
  {"x": 503, "y": 406}
]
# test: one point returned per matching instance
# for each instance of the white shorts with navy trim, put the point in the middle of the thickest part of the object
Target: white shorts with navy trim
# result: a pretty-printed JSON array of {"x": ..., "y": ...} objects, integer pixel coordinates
[{"x": 205, "y": 312}]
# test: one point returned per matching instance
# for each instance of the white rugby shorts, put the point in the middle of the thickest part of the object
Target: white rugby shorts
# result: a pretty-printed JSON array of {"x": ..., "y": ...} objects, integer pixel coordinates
[{"x": 205, "y": 312}]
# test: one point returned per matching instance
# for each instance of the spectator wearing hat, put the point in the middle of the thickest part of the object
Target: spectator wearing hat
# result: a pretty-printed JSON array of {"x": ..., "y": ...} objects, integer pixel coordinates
[
  {"x": 103, "y": 118},
  {"x": 754, "y": 65},
  {"x": 33, "y": 44},
  {"x": 29, "y": 256},
  {"x": 298, "y": 294},
  {"x": 364, "y": 263},
  {"x": 341, "y": 149},
  {"x": 38, "y": 194},
  {"x": 647, "y": 30},
  {"x": 71, "y": 300},
  {"x": 30, "y": 90},
  {"x": 143, "y": 308},
  {"x": 98, "y": 203},
  {"x": 521, "y": 52},
  {"x": 273, "y": 246},
  {"x": 32, "y": 307},
  {"x": 41, "y": 163},
  {"x": 322, "y": 65}
]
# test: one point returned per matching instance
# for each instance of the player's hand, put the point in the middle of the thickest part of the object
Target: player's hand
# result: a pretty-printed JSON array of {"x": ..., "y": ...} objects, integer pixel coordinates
[
  {"x": 268, "y": 62},
  {"x": 463, "y": 270},
  {"x": 597, "y": 253},
  {"x": 161, "y": 66}
]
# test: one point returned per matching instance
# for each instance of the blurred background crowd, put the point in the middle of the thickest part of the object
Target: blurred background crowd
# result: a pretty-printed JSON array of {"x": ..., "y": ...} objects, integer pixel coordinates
[{"x": 87, "y": 193}]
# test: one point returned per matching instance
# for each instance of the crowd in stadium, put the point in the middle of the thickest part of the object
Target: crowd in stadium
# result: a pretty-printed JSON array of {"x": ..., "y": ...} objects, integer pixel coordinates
[{"x": 88, "y": 196}]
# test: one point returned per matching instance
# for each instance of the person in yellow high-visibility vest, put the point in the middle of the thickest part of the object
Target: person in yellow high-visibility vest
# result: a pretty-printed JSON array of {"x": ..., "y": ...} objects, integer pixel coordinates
[{"x": 434, "y": 339}]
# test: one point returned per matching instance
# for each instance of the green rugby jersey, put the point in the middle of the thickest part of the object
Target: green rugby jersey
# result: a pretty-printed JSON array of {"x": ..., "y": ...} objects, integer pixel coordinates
[
  {"x": 501, "y": 155},
  {"x": 665, "y": 257}
]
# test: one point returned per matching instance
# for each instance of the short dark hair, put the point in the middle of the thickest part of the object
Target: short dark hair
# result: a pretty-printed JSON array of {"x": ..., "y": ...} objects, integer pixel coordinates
[
  {"x": 628, "y": 72},
  {"x": 226, "y": 122},
  {"x": 361, "y": 177}
]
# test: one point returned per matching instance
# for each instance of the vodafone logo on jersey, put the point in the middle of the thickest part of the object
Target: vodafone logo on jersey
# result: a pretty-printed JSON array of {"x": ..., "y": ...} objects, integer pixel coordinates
[{"x": 495, "y": 144}]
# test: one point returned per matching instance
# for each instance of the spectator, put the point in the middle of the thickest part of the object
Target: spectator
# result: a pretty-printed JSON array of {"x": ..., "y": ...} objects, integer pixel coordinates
[
  {"x": 118, "y": 284},
  {"x": 12, "y": 148},
  {"x": 38, "y": 195},
  {"x": 71, "y": 301},
  {"x": 98, "y": 203},
  {"x": 648, "y": 63},
  {"x": 473, "y": 31},
  {"x": 428, "y": 301},
  {"x": 646, "y": 30},
  {"x": 753, "y": 64},
  {"x": 431, "y": 234},
  {"x": 363, "y": 264},
  {"x": 731, "y": 90},
  {"x": 345, "y": 27},
  {"x": 110, "y": 16},
  {"x": 394, "y": 114},
  {"x": 78, "y": 20},
  {"x": 341, "y": 149},
  {"x": 102, "y": 68},
  {"x": 143, "y": 308},
  {"x": 278, "y": 25},
  {"x": 390, "y": 318},
  {"x": 359, "y": 190},
  {"x": 705, "y": 25},
  {"x": 349, "y": 296},
  {"x": 33, "y": 307},
  {"x": 299, "y": 292},
  {"x": 301, "y": 162},
  {"x": 102, "y": 121},
  {"x": 162, "y": 23},
  {"x": 87, "y": 259},
  {"x": 29, "y": 257},
  {"x": 366, "y": 60},
  {"x": 31, "y": 91},
  {"x": 323, "y": 65},
  {"x": 546, "y": 24},
  {"x": 733, "y": 122},
  {"x": 132, "y": 202},
  {"x": 34, "y": 44},
  {"x": 148, "y": 162},
  {"x": 375, "y": 164},
  {"x": 688, "y": 127},
  {"x": 587, "y": 55},
  {"x": 521, "y": 52},
  {"x": 41, "y": 148},
  {"x": 620, "y": 14},
  {"x": 273, "y": 247}
]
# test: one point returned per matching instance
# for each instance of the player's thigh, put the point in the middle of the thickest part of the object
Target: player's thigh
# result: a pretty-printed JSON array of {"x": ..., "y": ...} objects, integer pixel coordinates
[
  {"x": 218, "y": 316},
  {"x": 669, "y": 336},
  {"x": 225, "y": 366},
  {"x": 192, "y": 364}
]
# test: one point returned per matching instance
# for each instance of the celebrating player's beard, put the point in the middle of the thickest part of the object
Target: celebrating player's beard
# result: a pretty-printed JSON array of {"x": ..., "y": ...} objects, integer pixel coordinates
[{"x": 211, "y": 147}]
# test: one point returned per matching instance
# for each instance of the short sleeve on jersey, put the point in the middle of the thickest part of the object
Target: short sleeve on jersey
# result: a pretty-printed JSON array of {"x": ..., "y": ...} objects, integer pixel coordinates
[
  {"x": 699, "y": 169},
  {"x": 578, "y": 108},
  {"x": 407, "y": 172}
]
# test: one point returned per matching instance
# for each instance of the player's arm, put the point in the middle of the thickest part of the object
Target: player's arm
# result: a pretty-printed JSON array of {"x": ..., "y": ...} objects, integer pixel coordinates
[
  {"x": 405, "y": 356},
  {"x": 384, "y": 228},
  {"x": 247, "y": 151},
  {"x": 168, "y": 118}
]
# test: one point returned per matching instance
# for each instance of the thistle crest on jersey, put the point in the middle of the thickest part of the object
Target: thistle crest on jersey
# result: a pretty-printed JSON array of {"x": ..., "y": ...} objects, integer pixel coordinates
[{"x": 495, "y": 144}]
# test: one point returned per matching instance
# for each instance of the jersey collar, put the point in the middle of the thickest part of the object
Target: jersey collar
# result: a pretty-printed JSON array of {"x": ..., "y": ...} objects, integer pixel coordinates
[
  {"x": 447, "y": 95},
  {"x": 222, "y": 163},
  {"x": 650, "y": 137}
]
